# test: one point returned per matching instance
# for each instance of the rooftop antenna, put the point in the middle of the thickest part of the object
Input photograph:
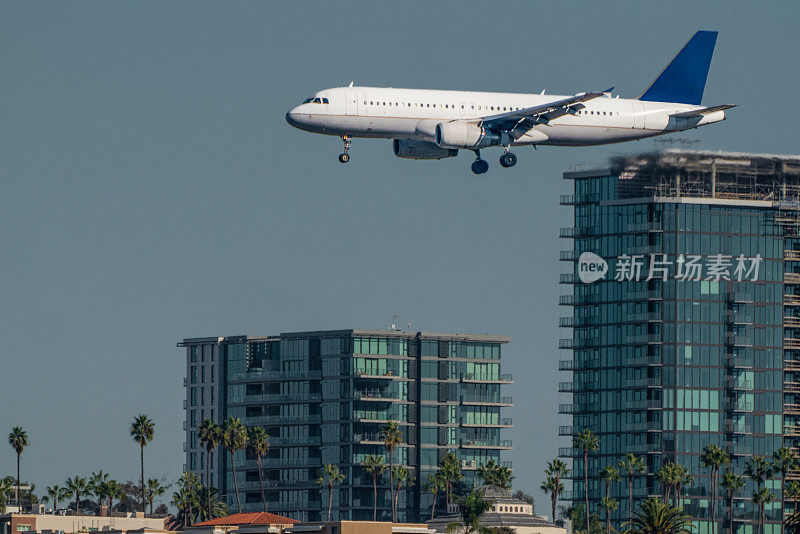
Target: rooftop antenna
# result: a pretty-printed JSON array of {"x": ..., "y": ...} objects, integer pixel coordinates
[
  {"x": 408, "y": 327},
  {"x": 394, "y": 321}
]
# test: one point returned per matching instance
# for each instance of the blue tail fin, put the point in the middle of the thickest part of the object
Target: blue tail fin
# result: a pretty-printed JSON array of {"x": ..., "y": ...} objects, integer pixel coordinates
[{"x": 683, "y": 80}]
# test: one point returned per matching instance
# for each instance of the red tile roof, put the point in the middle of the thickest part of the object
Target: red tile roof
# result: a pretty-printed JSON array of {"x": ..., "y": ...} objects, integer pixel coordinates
[{"x": 259, "y": 518}]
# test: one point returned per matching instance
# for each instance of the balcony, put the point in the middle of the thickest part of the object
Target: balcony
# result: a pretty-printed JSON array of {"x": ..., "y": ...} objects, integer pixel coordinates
[
  {"x": 737, "y": 318},
  {"x": 638, "y": 228},
  {"x": 277, "y": 398},
  {"x": 569, "y": 452},
  {"x": 738, "y": 297},
  {"x": 642, "y": 361},
  {"x": 643, "y": 339},
  {"x": 570, "y": 343},
  {"x": 486, "y": 400},
  {"x": 791, "y": 278},
  {"x": 282, "y": 462},
  {"x": 377, "y": 395},
  {"x": 506, "y": 378},
  {"x": 388, "y": 375},
  {"x": 739, "y": 385},
  {"x": 791, "y": 300},
  {"x": 791, "y": 255},
  {"x": 576, "y": 365},
  {"x": 791, "y": 321},
  {"x": 305, "y": 440},
  {"x": 645, "y": 404},
  {"x": 733, "y": 340},
  {"x": 577, "y": 300},
  {"x": 791, "y": 343},
  {"x": 645, "y": 295},
  {"x": 643, "y": 317},
  {"x": 791, "y": 365},
  {"x": 739, "y": 407},
  {"x": 791, "y": 409},
  {"x": 503, "y": 444},
  {"x": 791, "y": 387},
  {"x": 578, "y": 408},
  {"x": 574, "y": 200},
  {"x": 502, "y": 423},
  {"x": 568, "y": 278},
  {"x": 260, "y": 376},
  {"x": 735, "y": 427},
  {"x": 739, "y": 362},
  {"x": 568, "y": 255},
  {"x": 368, "y": 439},
  {"x": 571, "y": 387},
  {"x": 282, "y": 420},
  {"x": 738, "y": 449},
  {"x": 645, "y": 426},
  {"x": 572, "y": 321},
  {"x": 572, "y": 232}
]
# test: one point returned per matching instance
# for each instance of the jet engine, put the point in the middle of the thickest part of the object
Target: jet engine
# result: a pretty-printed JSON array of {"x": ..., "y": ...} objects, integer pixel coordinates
[
  {"x": 460, "y": 134},
  {"x": 421, "y": 150}
]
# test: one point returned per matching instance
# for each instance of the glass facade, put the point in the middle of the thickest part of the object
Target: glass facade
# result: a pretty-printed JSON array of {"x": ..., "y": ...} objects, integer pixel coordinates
[
  {"x": 680, "y": 345},
  {"x": 324, "y": 397}
]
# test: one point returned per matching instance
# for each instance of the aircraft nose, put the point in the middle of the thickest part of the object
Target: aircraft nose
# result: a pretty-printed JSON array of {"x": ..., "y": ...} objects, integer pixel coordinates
[{"x": 293, "y": 117}]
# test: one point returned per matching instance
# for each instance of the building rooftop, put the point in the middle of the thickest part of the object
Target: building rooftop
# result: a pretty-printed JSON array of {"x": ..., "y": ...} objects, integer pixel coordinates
[
  {"x": 401, "y": 334},
  {"x": 257, "y": 518},
  {"x": 677, "y": 173}
]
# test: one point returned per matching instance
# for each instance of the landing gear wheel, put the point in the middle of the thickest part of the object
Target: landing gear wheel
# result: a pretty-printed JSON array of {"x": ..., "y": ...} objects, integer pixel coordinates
[
  {"x": 344, "y": 157},
  {"x": 509, "y": 159},
  {"x": 479, "y": 166}
]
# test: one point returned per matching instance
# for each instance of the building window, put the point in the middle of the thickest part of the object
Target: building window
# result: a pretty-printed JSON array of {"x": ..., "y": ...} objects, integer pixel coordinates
[
  {"x": 193, "y": 393},
  {"x": 203, "y": 374},
  {"x": 193, "y": 372},
  {"x": 211, "y": 399}
]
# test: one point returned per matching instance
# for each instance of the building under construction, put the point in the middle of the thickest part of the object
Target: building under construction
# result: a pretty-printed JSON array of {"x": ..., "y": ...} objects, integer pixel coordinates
[{"x": 692, "y": 336}]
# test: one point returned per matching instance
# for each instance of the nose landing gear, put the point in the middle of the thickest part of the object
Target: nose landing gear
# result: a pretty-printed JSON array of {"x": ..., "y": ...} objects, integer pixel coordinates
[
  {"x": 344, "y": 157},
  {"x": 479, "y": 166}
]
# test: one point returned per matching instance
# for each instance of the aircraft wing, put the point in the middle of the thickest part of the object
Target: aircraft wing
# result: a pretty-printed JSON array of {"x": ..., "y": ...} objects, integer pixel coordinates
[
  {"x": 701, "y": 112},
  {"x": 516, "y": 123}
]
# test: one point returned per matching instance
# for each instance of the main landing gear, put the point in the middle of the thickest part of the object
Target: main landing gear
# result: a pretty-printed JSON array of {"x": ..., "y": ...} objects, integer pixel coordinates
[
  {"x": 344, "y": 157},
  {"x": 479, "y": 166},
  {"x": 509, "y": 159}
]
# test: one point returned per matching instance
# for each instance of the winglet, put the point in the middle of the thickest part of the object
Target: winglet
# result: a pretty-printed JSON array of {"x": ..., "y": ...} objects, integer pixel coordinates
[{"x": 684, "y": 78}]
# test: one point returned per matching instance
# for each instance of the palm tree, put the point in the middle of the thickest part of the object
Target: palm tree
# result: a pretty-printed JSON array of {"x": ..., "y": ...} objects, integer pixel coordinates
[
  {"x": 713, "y": 458},
  {"x": 784, "y": 460},
  {"x": 56, "y": 493},
  {"x": 471, "y": 508},
  {"x": 209, "y": 435},
  {"x": 450, "y": 468},
  {"x": 668, "y": 475},
  {"x": 494, "y": 475},
  {"x": 77, "y": 486},
  {"x": 234, "y": 438},
  {"x": 142, "y": 431},
  {"x": 631, "y": 464},
  {"x": 732, "y": 483},
  {"x": 552, "y": 486},
  {"x": 97, "y": 483},
  {"x": 793, "y": 492},
  {"x": 392, "y": 438},
  {"x": 154, "y": 489},
  {"x": 185, "y": 500},
  {"x": 258, "y": 446},
  {"x": 684, "y": 478},
  {"x": 557, "y": 470},
  {"x": 210, "y": 504},
  {"x": 18, "y": 439},
  {"x": 433, "y": 485},
  {"x": 609, "y": 474},
  {"x": 402, "y": 478},
  {"x": 330, "y": 475},
  {"x": 187, "y": 495},
  {"x": 655, "y": 516},
  {"x": 588, "y": 442},
  {"x": 114, "y": 490},
  {"x": 758, "y": 469},
  {"x": 374, "y": 466},
  {"x": 762, "y": 497}
]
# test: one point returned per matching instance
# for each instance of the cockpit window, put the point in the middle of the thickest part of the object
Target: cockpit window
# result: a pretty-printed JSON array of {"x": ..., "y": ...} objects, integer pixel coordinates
[
  {"x": 325, "y": 101},
  {"x": 308, "y": 100},
  {"x": 316, "y": 101}
]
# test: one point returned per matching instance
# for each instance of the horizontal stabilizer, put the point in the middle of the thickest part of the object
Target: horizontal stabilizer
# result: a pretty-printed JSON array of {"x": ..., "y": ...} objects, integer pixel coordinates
[
  {"x": 684, "y": 79},
  {"x": 701, "y": 112}
]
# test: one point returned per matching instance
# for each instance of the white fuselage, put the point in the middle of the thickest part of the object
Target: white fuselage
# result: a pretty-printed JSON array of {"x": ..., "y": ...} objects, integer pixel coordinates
[{"x": 414, "y": 113}]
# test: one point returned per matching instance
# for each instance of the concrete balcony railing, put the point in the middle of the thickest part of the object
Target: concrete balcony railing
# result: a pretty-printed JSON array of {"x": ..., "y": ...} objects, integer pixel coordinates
[
  {"x": 791, "y": 300},
  {"x": 487, "y": 400},
  {"x": 791, "y": 321},
  {"x": 505, "y": 422},
  {"x": 505, "y": 378},
  {"x": 377, "y": 395},
  {"x": 487, "y": 444},
  {"x": 791, "y": 278}
]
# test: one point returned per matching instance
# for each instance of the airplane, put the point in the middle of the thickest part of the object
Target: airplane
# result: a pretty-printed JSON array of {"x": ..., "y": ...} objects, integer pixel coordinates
[{"x": 433, "y": 124}]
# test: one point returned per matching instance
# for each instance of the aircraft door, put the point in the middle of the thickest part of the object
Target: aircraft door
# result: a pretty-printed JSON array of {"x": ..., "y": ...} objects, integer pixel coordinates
[
  {"x": 351, "y": 102},
  {"x": 638, "y": 115}
]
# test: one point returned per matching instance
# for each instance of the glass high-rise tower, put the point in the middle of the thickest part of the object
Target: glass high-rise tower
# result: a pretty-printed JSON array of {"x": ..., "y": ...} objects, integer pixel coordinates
[
  {"x": 684, "y": 276},
  {"x": 324, "y": 397}
]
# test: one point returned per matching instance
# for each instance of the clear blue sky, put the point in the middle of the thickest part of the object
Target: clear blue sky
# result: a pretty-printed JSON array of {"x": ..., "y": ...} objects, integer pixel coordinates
[{"x": 150, "y": 190}]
